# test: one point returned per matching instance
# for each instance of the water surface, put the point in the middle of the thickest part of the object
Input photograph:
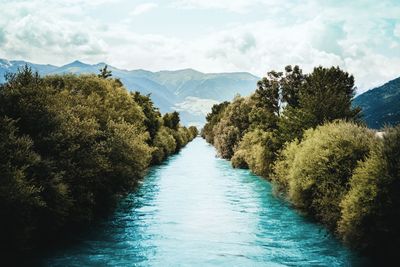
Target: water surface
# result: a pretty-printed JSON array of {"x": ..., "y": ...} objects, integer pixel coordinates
[{"x": 196, "y": 210}]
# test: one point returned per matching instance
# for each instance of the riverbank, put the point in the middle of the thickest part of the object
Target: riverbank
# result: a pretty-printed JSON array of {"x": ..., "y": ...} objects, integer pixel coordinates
[{"x": 301, "y": 132}]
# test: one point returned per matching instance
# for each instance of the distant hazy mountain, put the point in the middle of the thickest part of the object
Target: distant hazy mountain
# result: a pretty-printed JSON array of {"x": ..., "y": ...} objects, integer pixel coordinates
[
  {"x": 381, "y": 105},
  {"x": 190, "y": 92}
]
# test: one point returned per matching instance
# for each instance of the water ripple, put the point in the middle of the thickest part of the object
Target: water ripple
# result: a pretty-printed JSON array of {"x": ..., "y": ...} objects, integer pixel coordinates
[{"x": 195, "y": 210}]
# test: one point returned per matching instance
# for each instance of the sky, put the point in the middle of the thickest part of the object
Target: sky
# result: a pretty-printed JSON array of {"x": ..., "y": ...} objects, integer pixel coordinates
[{"x": 256, "y": 36}]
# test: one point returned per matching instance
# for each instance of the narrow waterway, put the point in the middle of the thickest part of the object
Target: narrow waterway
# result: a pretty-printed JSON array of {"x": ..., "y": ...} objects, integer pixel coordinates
[{"x": 196, "y": 210}]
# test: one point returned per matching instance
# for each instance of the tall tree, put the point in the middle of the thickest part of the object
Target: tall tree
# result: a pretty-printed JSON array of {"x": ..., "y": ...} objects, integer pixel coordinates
[
  {"x": 152, "y": 114},
  {"x": 171, "y": 120},
  {"x": 327, "y": 95},
  {"x": 104, "y": 72}
]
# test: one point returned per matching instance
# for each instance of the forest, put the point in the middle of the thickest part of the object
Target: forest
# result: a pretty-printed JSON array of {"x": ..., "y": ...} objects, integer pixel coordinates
[
  {"x": 70, "y": 147},
  {"x": 301, "y": 132}
]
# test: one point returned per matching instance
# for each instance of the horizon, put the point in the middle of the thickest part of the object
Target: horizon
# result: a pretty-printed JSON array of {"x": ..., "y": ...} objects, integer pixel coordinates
[
  {"x": 122, "y": 69},
  {"x": 183, "y": 69}
]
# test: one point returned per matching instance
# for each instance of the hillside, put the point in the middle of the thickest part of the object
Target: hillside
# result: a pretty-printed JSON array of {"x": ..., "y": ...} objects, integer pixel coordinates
[
  {"x": 190, "y": 92},
  {"x": 381, "y": 105}
]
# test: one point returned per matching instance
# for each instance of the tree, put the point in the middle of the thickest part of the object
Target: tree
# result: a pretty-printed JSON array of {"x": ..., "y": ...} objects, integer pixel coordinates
[
  {"x": 171, "y": 120},
  {"x": 323, "y": 96},
  {"x": 267, "y": 94},
  {"x": 327, "y": 95},
  {"x": 291, "y": 85},
  {"x": 152, "y": 114},
  {"x": 104, "y": 72},
  {"x": 213, "y": 118}
]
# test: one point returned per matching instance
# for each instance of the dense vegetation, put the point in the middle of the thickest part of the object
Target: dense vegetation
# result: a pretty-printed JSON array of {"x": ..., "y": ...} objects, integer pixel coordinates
[
  {"x": 69, "y": 147},
  {"x": 167, "y": 88},
  {"x": 302, "y": 132}
]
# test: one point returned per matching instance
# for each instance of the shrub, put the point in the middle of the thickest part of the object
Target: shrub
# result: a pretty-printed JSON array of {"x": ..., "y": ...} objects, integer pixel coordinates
[
  {"x": 164, "y": 143},
  {"x": 282, "y": 167},
  {"x": 257, "y": 151},
  {"x": 231, "y": 127},
  {"x": 193, "y": 132},
  {"x": 320, "y": 167},
  {"x": 226, "y": 139},
  {"x": 371, "y": 209}
]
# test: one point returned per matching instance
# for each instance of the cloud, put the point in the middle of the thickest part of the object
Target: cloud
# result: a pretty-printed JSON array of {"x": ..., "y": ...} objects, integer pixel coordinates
[
  {"x": 237, "y": 6},
  {"x": 143, "y": 8},
  {"x": 396, "y": 31},
  {"x": 362, "y": 37},
  {"x": 44, "y": 31}
]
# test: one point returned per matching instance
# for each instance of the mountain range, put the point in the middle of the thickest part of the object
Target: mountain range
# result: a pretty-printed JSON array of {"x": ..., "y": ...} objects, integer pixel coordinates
[
  {"x": 381, "y": 105},
  {"x": 193, "y": 93},
  {"x": 188, "y": 91}
]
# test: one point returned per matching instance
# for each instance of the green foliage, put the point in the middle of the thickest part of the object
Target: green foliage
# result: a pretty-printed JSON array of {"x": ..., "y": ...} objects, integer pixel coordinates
[
  {"x": 152, "y": 115},
  {"x": 317, "y": 170},
  {"x": 325, "y": 95},
  {"x": 212, "y": 119},
  {"x": 257, "y": 152},
  {"x": 193, "y": 132},
  {"x": 70, "y": 146},
  {"x": 171, "y": 120},
  {"x": 300, "y": 130},
  {"x": 231, "y": 127},
  {"x": 281, "y": 169},
  {"x": 104, "y": 73},
  {"x": 284, "y": 103},
  {"x": 164, "y": 143},
  {"x": 226, "y": 138},
  {"x": 370, "y": 210},
  {"x": 20, "y": 192}
]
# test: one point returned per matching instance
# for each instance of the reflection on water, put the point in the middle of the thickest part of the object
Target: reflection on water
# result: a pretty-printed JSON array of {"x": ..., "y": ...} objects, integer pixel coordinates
[{"x": 195, "y": 210}]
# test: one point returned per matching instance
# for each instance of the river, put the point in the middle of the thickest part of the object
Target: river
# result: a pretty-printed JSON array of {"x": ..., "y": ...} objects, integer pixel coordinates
[{"x": 196, "y": 210}]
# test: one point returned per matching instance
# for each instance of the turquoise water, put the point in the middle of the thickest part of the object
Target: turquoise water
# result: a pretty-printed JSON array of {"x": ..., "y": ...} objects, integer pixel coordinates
[{"x": 196, "y": 210}]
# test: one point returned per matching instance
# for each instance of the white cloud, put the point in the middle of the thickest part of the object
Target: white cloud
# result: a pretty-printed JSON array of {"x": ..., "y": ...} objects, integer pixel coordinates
[
  {"x": 143, "y": 8},
  {"x": 397, "y": 30},
  {"x": 362, "y": 38},
  {"x": 43, "y": 32},
  {"x": 238, "y": 6}
]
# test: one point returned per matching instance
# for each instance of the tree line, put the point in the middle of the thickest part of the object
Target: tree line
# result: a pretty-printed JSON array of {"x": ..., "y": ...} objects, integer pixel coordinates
[
  {"x": 70, "y": 146},
  {"x": 302, "y": 133}
]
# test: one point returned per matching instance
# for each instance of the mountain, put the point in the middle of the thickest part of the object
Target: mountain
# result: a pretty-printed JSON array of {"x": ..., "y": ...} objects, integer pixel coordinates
[
  {"x": 188, "y": 91},
  {"x": 12, "y": 66},
  {"x": 381, "y": 105}
]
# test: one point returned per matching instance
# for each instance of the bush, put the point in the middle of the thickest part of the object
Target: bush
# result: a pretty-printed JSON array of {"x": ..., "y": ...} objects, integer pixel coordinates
[
  {"x": 320, "y": 167},
  {"x": 257, "y": 152},
  {"x": 282, "y": 167},
  {"x": 193, "y": 132},
  {"x": 231, "y": 127},
  {"x": 371, "y": 209},
  {"x": 226, "y": 139},
  {"x": 213, "y": 118},
  {"x": 164, "y": 143}
]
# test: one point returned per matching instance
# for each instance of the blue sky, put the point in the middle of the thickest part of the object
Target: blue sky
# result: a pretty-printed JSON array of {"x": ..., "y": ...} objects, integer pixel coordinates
[{"x": 362, "y": 37}]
